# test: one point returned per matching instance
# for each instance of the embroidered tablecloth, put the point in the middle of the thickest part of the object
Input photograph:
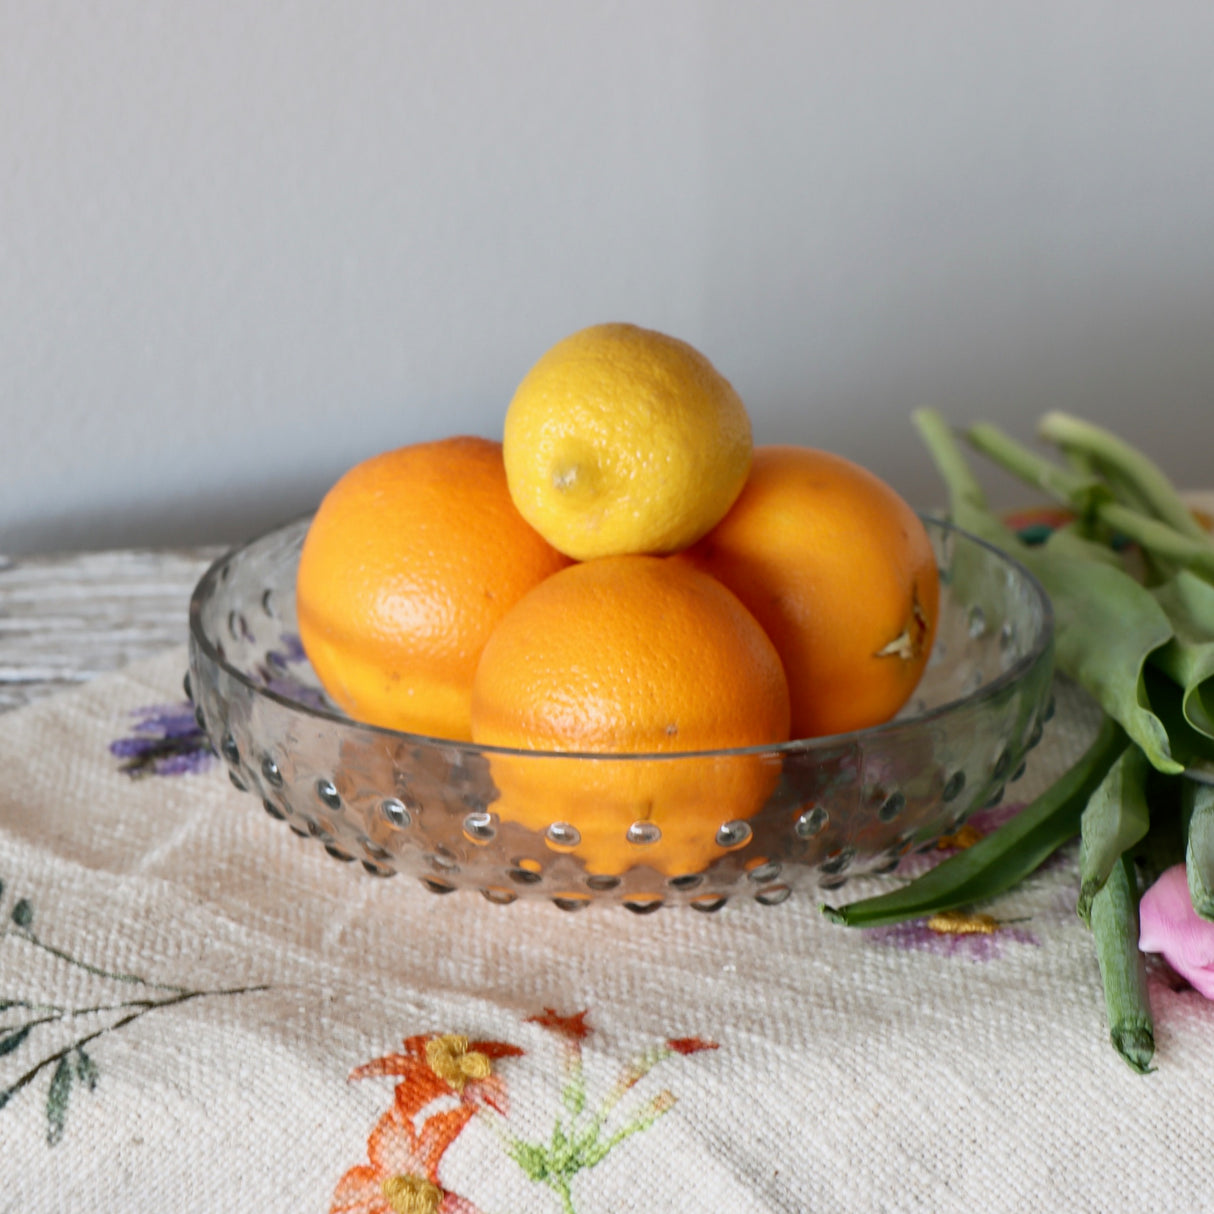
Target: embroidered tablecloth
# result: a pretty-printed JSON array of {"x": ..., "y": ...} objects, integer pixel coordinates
[{"x": 199, "y": 1010}]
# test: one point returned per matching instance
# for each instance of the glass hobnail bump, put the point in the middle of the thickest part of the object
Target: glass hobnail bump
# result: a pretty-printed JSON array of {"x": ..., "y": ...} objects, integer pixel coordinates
[{"x": 425, "y": 807}]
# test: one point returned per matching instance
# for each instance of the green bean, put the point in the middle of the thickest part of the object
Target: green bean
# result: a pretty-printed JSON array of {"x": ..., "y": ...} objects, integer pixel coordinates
[
  {"x": 1146, "y": 486},
  {"x": 1081, "y": 493},
  {"x": 1198, "y": 808},
  {"x": 1002, "y": 858},
  {"x": 1093, "y": 502},
  {"x": 1122, "y": 969},
  {"x": 1105, "y": 624},
  {"x": 1161, "y": 540},
  {"x": 1115, "y": 820},
  {"x": 964, "y": 491}
]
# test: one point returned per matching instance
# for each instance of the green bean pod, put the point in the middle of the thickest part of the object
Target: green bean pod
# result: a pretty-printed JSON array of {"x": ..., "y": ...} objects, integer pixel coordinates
[
  {"x": 1116, "y": 818},
  {"x": 1122, "y": 969},
  {"x": 1197, "y": 806}
]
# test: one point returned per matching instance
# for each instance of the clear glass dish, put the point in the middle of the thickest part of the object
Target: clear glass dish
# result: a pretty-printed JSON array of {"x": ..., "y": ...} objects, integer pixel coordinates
[{"x": 425, "y": 807}]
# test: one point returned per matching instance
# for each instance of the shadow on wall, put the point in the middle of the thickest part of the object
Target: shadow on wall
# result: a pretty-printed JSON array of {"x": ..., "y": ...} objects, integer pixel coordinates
[
  {"x": 1149, "y": 379},
  {"x": 189, "y": 520}
]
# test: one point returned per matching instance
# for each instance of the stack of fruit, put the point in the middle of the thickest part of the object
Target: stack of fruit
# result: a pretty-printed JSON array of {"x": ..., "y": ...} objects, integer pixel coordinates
[{"x": 624, "y": 574}]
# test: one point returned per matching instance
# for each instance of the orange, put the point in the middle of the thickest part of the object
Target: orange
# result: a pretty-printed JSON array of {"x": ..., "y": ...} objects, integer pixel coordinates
[
  {"x": 410, "y": 562},
  {"x": 631, "y": 655},
  {"x": 624, "y": 440},
  {"x": 840, "y": 573}
]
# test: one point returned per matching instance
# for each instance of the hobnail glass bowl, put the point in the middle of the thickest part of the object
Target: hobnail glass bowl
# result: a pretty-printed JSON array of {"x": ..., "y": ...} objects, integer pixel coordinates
[{"x": 428, "y": 808}]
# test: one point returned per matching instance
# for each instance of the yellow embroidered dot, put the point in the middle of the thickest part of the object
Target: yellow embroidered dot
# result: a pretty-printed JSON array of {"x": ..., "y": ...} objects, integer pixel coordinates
[
  {"x": 958, "y": 923},
  {"x": 412, "y": 1195},
  {"x": 451, "y": 1060},
  {"x": 967, "y": 836}
]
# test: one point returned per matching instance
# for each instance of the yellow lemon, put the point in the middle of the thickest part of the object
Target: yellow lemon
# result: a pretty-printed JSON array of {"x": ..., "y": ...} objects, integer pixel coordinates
[{"x": 621, "y": 440}]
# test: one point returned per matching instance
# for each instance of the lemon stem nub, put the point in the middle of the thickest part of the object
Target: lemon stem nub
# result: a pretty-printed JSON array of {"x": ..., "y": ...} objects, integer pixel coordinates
[{"x": 565, "y": 477}]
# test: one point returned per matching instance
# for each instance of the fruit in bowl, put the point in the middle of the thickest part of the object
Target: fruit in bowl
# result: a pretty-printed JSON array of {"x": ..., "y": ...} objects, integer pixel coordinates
[
  {"x": 622, "y": 440},
  {"x": 630, "y": 655},
  {"x": 410, "y": 563},
  {"x": 840, "y": 572},
  {"x": 622, "y": 651}
]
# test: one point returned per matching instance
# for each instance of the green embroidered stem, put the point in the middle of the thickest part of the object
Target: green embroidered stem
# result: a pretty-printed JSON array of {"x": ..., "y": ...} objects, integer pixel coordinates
[
  {"x": 663, "y": 1102},
  {"x": 83, "y": 1071},
  {"x": 54, "y": 1015},
  {"x": 57, "y": 1098},
  {"x": 632, "y": 1077},
  {"x": 26, "y": 1006},
  {"x": 572, "y": 1149},
  {"x": 573, "y": 1096},
  {"x": 560, "y": 1186},
  {"x": 27, "y": 934}
]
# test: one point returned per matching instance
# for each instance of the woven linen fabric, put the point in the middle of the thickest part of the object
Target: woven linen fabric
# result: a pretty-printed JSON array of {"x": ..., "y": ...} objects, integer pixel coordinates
[{"x": 201, "y": 1011}]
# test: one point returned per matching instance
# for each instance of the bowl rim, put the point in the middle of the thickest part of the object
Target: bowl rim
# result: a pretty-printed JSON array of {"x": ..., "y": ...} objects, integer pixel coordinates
[{"x": 793, "y": 746}]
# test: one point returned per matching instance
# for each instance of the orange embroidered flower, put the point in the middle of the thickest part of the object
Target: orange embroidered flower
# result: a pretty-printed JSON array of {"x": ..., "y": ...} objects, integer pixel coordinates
[
  {"x": 434, "y": 1065},
  {"x": 690, "y": 1045},
  {"x": 574, "y": 1027},
  {"x": 401, "y": 1176},
  {"x": 451, "y": 1059},
  {"x": 451, "y": 1073}
]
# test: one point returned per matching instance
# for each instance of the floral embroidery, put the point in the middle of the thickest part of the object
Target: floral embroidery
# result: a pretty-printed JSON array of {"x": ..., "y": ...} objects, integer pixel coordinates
[
  {"x": 690, "y": 1045},
  {"x": 74, "y": 1067},
  {"x": 167, "y": 741},
  {"x": 401, "y": 1175},
  {"x": 977, "y": 827},
  {"x": 584, "y": 1137},
  {"x": 958, "y": 923},
  {"x": 277, "y": 676},
  {"x": 978, "y": 937},
  {"x": 452, "y": 1061},
  {"x": 961, "y": 839},
  {"x": 421, "y": 1083},
  {"x": 573, "y": 1027}
]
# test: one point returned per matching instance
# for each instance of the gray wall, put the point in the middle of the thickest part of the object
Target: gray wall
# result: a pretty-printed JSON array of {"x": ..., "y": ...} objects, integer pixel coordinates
[{"x": 246, "y": 244}]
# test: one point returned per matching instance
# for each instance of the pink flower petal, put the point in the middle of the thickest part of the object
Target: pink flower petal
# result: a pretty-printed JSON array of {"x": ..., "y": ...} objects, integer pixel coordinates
[{"x": 1171, "y": 927}]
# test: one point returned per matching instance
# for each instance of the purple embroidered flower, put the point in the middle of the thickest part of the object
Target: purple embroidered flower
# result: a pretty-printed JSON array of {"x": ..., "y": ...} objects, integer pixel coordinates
[
  {"x": 275, "y": 673},
  {"x": 290, "y": 651},
  {"x": 166, "y": 741},
  {"x": 978, "y": 937},
  {"x": 979, "y": 825}
]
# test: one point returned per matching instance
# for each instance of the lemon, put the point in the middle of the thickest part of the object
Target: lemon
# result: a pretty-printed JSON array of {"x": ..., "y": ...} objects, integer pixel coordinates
[{"x": 624, "y": 440}]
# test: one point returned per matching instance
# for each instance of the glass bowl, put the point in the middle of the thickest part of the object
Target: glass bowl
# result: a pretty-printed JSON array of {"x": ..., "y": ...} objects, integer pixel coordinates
[{"x": 760, "y": 822}]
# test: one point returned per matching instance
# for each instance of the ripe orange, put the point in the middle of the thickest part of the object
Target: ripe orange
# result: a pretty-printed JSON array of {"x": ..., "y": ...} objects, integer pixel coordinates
[
  {"x": 633, "y": 655},
  {"x": 412, "y": 559},
  {"x": 840, "y": 573}
]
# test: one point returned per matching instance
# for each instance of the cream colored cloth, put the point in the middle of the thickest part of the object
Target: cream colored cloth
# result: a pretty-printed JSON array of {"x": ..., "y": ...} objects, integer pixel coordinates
[{"x": 759, "y": 1059}]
